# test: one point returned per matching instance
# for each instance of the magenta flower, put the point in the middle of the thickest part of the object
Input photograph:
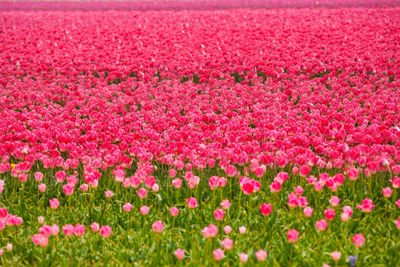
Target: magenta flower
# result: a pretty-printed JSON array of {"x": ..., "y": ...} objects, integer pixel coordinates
[
  {"x": 105, "y": 231},
  {"x": 334, "y": 201},
  {"x": 243, "y": 257},
  {"x": 366, "y": 205},
  {"x": 127, "y": 207},
  {"x": 358, "y": 240},
  {"x": 219, "y": 214},
  {"x": 225, "y": 204},
  {"x": 177, "y": 183},
  {"x": 192, "y": 202},
  {"x": 179, "y": 254},
  {"x": 174, "y": 211},
  {"x": 227, "y": 243},
  {"x": 218, "y": 254},
  {"x": 68, "y": 229},
  {"x": 292, "y": 235},
  {"x": 307, "y": 211},
  {"x": 261, "y": 255},
  {"x": 266, "y": 209},
  {"x": 336, "y": 255},
  {"x": 79, "y": 229},
  {"x": 95, "y": 227},
  {"x": 68, "y": 189},
  {"x": 242, "y": 230},
  {"x": 329, "y": 214},
  {"x": 108, "y": 193},
  {"x": 142, "y": 192},
  {"x": 387, "y": 192},
  {"x": 158, "y": 226},
  {"x": 38, "y": 176},
  {"x": 54, "y": 203},
  {"x": 210, "y": 231},
  {"x": 144, "y": 210},
  {"x": 321, "y": 225},
  {"x": 40, "y": 240},
  {"x": 42, "y": 188},
  {"x": 84, "y": 187}
]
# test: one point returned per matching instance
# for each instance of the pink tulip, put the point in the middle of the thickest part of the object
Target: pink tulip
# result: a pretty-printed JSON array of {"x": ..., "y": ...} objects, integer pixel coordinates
[
  {"x": 396, "y": 181},
  {"x": 40, "y": 240},
  {"x": 45, "y": 230},
  {"x": 158, "y": 226},
  {"x": 68, "y": 229},
  {"x": 227, "y": 243},
  {"x": 334, "y": 201},
  {"x": 179, "y": 254},
  {"x": 304, "y": 170},
  {"x": 348, "y": 210},
  {"x": 3, "y": 212},
  {"x": 307, "y": 211},
  {"x": 68, "y": 189},
  {"x": 352, "y": 174},
  {"x": 292, "y": 235},
  {"x": 321, "y": 225},
  {"x": 108, "y": 193},
  {"x": 261, "y": 255},
  {"x": 42, "y": 188},
  {"x": 344, "y": 217},
  {"x": 144, "y": 210},
  {"x": 227, "y": 229},
  {"x": 54, "y": 229},
  {"x": 142, "y": 193},
  {"x": 38, "y": 176},
  {"x": 84, "y": 187},
  {"x": 329, "y": 214},
  {"x": 266, "y": 209},
  {"x": 79, "y": 229},
  {"x": 95, "y": 226},
  {"x": 127, "y": 207},
  {"x": 398, "y": 224},
  {"x": 213, "y": 182},
  {"x": 210, "y": 231},
  {"x": 387, "y": 192},
  {"x": 225, "y": 204},
  {"x": 219, "y": 214},
  {"x": 60, "y": 176},
  {"x": 336, "y": 256},
  {"x": 105, "y": 231},
  {"x": 299, "y": 190},
  {"x": 172, "y": 173},
  {"x": 366, "y": 205},
  {"x": 218, "y": 254},
  {"x": 192, "y": 202},
  {"x": 54, "y": 203},
  {"x": 155, "y": 188},
  {"x": 358, "y": 240},
  {"x": 174, "y": 211},
  {"x": 177, "y": 183},
  {"x": 243, "y": 257}
]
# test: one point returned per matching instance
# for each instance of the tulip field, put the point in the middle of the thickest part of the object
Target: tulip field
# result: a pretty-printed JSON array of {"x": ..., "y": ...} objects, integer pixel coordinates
[{"x": 214, "y": 136}]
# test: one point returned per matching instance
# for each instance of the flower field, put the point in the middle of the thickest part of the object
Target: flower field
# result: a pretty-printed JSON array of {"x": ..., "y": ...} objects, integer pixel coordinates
[{"x": 197, "y": 137}]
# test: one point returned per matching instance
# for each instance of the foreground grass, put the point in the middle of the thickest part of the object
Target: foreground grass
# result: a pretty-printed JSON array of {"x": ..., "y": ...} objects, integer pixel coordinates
[{"x": 134, "y": 242}]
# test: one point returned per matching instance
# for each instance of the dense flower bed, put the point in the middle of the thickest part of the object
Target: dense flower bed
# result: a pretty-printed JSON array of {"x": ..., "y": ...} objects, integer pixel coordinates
[
  {"x": 234, "y": 135},
  {"x": 187, "y": 4}
]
